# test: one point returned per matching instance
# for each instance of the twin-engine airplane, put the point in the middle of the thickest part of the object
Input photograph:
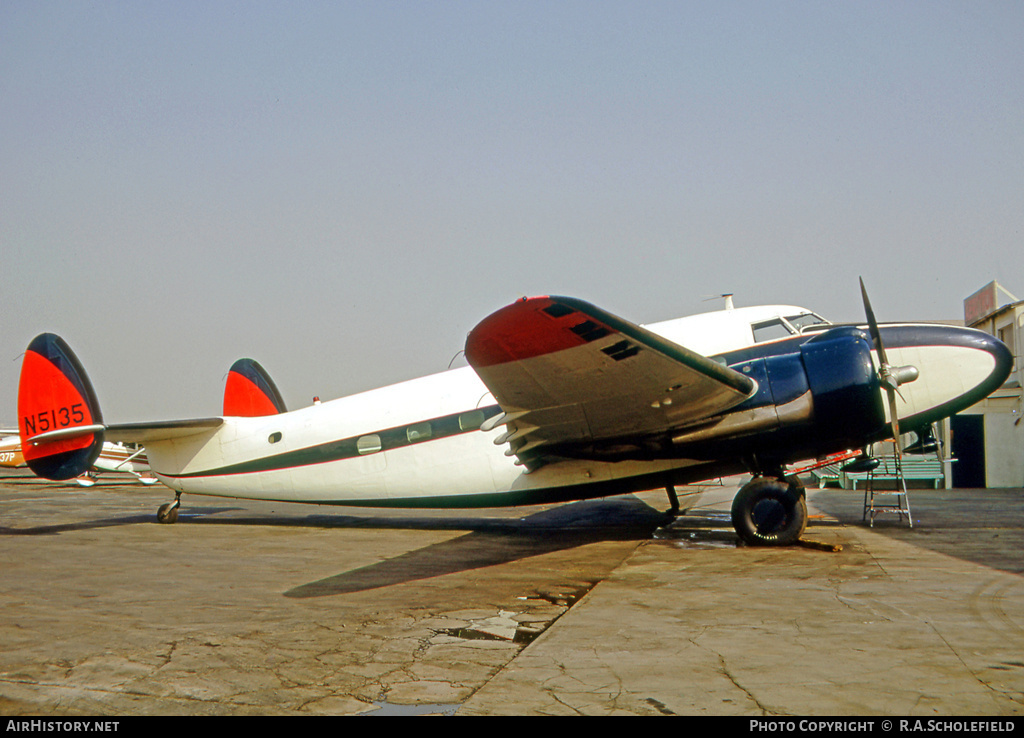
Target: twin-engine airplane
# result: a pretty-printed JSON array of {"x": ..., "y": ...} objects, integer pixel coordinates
[{"x": 562, "y": 401}]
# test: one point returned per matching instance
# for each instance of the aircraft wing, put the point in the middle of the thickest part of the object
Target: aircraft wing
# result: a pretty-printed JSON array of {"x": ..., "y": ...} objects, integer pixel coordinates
[{"x": 569, "y": 375}]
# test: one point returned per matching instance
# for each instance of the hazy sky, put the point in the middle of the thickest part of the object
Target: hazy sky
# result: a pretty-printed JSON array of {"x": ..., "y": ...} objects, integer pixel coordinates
[{"x": 342, "y": 190}]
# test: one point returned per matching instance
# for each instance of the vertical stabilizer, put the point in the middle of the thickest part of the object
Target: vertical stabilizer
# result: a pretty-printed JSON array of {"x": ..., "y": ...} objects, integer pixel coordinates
[
  {"x": 58, "y": 416},
  {"x": 250, "y": 392}
]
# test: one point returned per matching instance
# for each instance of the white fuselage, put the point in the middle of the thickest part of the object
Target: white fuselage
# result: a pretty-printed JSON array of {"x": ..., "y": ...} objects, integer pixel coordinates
[
  {"x": 459, "y": 465},
  {"x": 295, "y": 456}
]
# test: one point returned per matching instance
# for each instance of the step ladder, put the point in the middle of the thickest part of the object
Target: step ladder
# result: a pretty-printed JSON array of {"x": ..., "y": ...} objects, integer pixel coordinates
[{"x": 887, "y": 500}]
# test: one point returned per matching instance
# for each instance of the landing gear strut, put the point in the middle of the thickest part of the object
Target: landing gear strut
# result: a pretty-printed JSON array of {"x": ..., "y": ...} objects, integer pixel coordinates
[
  {"x": 770, "y": 511},
  {"x": 673, "y": 500},
  {"x": 168, "y": 512}
]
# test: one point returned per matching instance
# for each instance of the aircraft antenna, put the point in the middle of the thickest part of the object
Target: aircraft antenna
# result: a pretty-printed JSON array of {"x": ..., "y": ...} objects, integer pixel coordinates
[{"x": 727, "y": 296}]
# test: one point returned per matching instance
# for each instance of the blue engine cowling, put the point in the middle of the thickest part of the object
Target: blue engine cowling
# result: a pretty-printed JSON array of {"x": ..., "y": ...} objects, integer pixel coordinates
[
  {"x": 823, "y": 396},
  {"x": 848, "y": 408}
]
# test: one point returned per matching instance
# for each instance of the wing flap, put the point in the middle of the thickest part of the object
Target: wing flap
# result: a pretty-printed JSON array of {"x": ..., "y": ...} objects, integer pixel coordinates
[{"x": 572, "y": 374}]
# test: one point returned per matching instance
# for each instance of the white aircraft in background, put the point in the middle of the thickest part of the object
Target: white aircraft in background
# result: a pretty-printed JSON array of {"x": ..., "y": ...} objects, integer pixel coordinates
[
  {"x": 114, "y": 457},
  {"x": 562, "y": 401},
  {"x": 119, "y": 458}
]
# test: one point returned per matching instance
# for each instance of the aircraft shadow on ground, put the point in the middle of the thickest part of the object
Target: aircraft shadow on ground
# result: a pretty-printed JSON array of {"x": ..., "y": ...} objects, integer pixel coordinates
[
  {"x": 109, "y": 522},
  {"x": 491, "y": 543},
  {"x": 487, "y": 542},
  {"x": 51, "y": 530}
]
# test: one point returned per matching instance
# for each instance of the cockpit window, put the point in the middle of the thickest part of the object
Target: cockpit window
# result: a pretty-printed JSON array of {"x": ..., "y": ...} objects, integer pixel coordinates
[
  {"x": 800, "y": 322},
  {"x": 769, "y": 330},
  {"x": 791, "y": 325}
]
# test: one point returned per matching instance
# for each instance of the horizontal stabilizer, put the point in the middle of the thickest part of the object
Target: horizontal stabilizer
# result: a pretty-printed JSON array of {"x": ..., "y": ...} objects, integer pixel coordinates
[
  {"x": 143, "y": 433},
  {"x": 165, "y": 430},
  {"x": 66, "y": 433}
]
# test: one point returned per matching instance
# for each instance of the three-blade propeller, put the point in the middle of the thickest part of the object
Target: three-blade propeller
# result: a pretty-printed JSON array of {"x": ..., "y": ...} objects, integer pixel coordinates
[{"x": 890, "y": 377}]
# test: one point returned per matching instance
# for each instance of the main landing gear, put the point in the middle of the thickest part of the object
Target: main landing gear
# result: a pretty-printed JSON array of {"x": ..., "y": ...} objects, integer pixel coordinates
[
  {"x": 168, "y": 512},
  {"x": 770, "y": 511}
]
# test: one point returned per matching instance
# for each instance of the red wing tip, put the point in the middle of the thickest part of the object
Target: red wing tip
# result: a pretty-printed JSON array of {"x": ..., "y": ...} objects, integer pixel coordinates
[{"x": 530, "y": 327}]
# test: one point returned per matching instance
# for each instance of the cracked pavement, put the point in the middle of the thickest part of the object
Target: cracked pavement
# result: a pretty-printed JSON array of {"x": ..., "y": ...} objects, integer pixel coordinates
[
  {"x": 279, "y": 609},
  {"x": 922, "y": 621},
  {"x": 594, "y": 608}
]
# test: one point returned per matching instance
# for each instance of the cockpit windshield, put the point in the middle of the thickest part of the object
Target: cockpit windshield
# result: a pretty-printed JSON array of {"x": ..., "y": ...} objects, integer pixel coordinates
[
  {"x": 805, "y": 320},
  {"x": 791, "y": 325}
]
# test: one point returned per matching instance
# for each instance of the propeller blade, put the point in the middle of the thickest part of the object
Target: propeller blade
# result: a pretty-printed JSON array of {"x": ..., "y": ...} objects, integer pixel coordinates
[
  {"x": 895, "y": 420},
  {"x": 876, "y": 335},
  {"x": 888, "y": 380}
]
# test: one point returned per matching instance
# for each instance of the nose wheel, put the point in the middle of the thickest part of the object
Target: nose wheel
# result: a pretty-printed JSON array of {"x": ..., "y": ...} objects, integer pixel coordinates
[{"x": 168, "y": 512}]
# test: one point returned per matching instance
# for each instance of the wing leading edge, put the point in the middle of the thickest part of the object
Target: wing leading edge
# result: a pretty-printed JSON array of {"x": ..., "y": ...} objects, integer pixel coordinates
[{"x": 568, "y": 374}]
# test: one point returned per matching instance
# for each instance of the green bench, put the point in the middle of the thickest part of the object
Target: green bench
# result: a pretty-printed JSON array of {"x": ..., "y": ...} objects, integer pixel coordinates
[
  {"x": 914, "y": 469},
  {"x": 826, "y": 474}
]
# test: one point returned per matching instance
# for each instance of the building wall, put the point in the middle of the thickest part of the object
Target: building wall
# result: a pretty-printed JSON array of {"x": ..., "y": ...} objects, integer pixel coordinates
[
  {"x": 1004, "y": 450},
  {"x": 1003, "y": 410}
]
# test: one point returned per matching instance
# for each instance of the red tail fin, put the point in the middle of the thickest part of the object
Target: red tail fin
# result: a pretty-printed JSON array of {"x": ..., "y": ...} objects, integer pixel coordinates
[
  {"x": 54, "y": 399},
  {"x": 250, "y": 391}
]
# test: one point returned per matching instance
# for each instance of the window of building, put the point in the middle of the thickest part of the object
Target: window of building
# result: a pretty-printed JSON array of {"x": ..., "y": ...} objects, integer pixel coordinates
[{"x": 1008, "y": 336}]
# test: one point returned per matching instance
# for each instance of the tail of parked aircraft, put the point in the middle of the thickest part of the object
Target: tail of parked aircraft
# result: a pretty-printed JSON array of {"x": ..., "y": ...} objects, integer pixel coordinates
[
  {"x": 58, "y": 416},
  {"x": 61, "y": 426},
  {"x": 250, "y": 392}
]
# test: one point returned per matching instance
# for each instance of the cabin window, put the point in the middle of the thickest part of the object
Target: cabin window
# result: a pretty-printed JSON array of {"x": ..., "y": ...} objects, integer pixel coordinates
[
  {"x": 418, "y": 432},
  {"x": 275, "y": 437},
  {"x": 368, "y": 444},
  {"x": 471, "y": 420}
]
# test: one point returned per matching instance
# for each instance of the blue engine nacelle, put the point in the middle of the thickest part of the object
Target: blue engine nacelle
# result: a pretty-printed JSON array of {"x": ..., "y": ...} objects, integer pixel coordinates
[
  {"x": 823, "y": 396},
  {"x": 844, "y": 385}
]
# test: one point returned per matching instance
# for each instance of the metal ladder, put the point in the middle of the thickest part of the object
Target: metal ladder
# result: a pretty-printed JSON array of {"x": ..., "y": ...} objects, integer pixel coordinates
[{"x": 900, "y": 503}]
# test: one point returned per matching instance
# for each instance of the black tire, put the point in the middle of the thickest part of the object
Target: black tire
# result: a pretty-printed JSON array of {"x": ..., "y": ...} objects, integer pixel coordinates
[
  {"x": 769, "y": 512},
  {"x": 167, "y": 514}
]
